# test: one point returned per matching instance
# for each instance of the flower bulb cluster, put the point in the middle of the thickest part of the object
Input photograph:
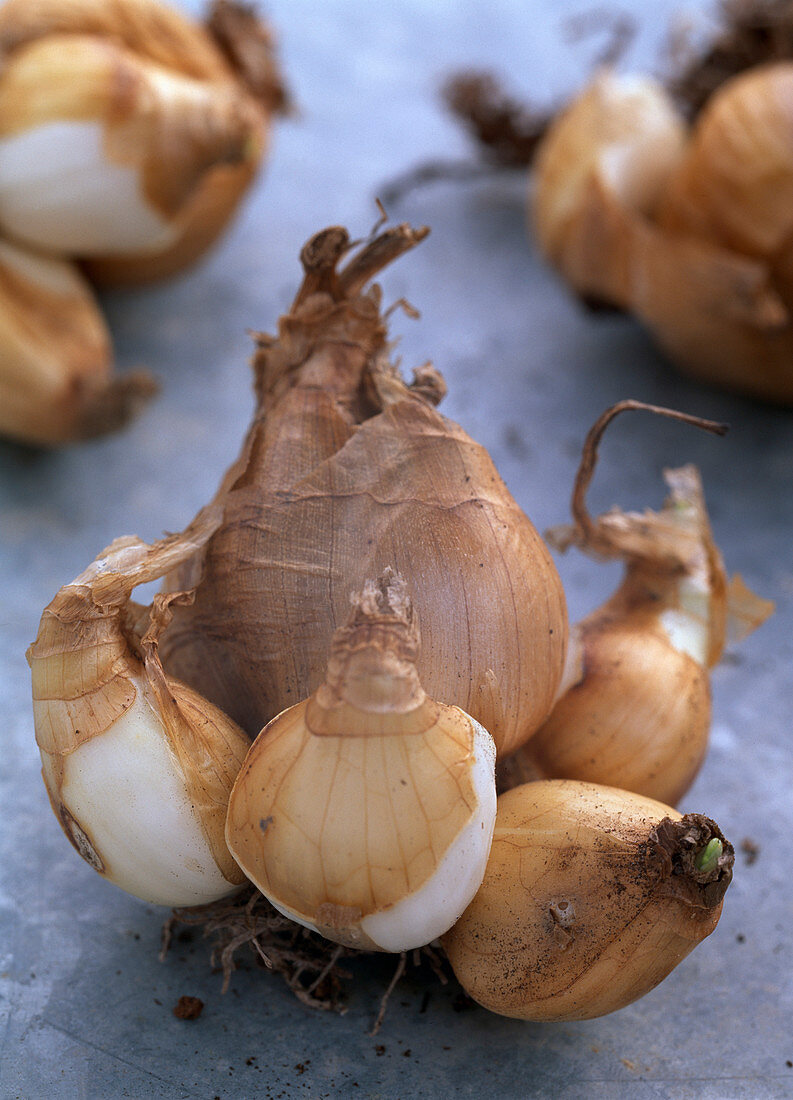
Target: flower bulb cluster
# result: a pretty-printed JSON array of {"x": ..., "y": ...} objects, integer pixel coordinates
[{"x": 128, "y": 136}]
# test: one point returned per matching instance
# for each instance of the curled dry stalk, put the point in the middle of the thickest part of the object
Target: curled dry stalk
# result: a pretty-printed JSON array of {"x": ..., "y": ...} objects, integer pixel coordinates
[
  {"x": 634, "y": 707},
  {"x": 586, "y": 531}
]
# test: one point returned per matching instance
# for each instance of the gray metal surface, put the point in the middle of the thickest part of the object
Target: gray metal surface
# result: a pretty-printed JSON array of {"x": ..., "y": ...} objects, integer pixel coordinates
[{"x": 86, "y": 1005}]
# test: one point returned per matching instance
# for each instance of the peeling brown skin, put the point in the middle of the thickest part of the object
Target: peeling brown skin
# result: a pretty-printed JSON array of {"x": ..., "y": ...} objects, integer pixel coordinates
[
  {"x": 636, "y": 905},
  {"x": 348, "y": 470}
]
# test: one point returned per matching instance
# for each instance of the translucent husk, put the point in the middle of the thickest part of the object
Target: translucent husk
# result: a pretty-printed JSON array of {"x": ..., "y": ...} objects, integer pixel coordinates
[
  {"x": 348, "y": 470},
  {"x": 634, "y": 707},
  {"x": 366, "y": 811},
  {"x": 55, "y": 357},
  {"x": 591, "y": 897},
  {"x": 95, "y": 660}
]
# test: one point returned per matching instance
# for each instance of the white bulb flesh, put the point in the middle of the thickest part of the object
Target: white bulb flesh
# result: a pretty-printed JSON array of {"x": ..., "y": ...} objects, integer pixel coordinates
[
  {"x": 52, "y": 274},
  {"x": 637, "y": 164},
  {"x": 688, "y": 625},
  {"x": 127, "y": 794},
  {"x": 431, "y": 910},
  {"x": 59, "y": 192}
]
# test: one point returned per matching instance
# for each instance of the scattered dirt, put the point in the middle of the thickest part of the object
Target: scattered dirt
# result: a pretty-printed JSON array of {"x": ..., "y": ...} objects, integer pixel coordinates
[
  {"x": 188, "y": 1008},
  {"x": 750, "y": 849}
]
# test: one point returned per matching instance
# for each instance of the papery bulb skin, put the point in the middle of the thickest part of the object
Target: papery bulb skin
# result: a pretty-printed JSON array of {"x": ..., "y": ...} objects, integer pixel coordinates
[
  {"x": 366, "y": 812},
  {"x": 56, "y": 381},
  {"x": 638, "y": 715},
  {"x": 128, "y": 134},
  {"x": 591, "y": 897},
  {"x": 734, "y": 187},
  {"x": 138, "y": 767},
  {"x": 634, "y": 708},
  {"x": 346, "y": 471},
  {"x": 622, "y": 134}
]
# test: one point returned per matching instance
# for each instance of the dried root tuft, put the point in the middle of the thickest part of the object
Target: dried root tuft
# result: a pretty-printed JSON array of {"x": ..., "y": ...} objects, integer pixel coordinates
[{"x": 308, "y": 963}]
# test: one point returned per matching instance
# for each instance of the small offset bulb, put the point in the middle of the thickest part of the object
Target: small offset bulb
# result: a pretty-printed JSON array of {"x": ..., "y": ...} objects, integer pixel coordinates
[
  {"x": 366, "y": 811},
  {"x": 138, "y": 767},
  {"x": 592, "y": 895},
  {"x": 634, "y": 707},
  {"x": 56, "y": 381}
]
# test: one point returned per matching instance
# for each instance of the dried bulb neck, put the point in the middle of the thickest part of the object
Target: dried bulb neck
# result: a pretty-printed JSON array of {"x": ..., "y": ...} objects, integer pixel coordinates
[
  {"x": 334, "y": 338},
  {"x": 247, "y": 44},
  {"x": 673, "y": 566},
  {"x": 372, "y": 670},
  {"x": 323, "y": 253},
  {"x": 692, "y": 859}
]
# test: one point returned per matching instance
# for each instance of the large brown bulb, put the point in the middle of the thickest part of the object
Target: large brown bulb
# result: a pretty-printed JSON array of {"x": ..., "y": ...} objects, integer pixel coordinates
[{"x": 347, "y": 470}]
